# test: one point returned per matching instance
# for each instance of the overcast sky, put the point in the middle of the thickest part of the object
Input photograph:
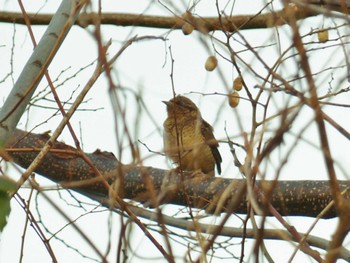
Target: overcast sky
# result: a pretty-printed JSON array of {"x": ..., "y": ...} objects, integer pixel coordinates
[{"x": 145, "y": 68}]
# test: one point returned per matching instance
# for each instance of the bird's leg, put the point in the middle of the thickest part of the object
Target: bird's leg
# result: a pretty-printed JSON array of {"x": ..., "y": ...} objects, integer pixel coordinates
[{"x": 197, "y": 173}]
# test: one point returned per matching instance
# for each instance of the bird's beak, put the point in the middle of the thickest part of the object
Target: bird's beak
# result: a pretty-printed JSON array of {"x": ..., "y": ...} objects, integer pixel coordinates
[{"x": 166, "y": 102}]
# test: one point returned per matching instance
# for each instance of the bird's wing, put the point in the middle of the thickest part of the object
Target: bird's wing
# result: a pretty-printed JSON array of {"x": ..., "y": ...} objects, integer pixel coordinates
[{"x": 207, "y": 132}]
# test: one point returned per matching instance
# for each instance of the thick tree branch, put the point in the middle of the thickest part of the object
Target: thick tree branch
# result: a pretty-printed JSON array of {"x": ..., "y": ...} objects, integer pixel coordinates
[{"x": 64, "y": 165}]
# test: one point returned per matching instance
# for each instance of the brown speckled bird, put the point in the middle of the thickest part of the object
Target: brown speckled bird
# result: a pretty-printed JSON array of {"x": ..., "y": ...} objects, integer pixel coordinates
[{"x": 188, "y": 139}]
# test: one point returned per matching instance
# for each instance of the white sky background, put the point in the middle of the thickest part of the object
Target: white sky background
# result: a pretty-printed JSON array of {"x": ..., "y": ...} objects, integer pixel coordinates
[{"x": 145, "y": 68}]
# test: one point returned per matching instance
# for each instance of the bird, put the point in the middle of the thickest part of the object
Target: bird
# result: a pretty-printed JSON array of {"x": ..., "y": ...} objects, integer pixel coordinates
[{"x": 188, "y": 139}]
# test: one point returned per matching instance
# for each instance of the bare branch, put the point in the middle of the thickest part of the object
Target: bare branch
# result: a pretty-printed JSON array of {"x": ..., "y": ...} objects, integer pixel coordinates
[
  {"x": 293, "y": 198},
  {"x": 204, "y": 24}
]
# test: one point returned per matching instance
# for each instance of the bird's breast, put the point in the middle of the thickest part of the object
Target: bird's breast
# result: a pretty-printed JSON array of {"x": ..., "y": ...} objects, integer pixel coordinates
[{"x": 185, "y": 145}]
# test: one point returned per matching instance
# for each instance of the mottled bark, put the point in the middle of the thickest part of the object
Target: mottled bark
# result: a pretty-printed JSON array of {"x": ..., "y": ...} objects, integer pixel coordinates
[{"x": 64, "y": 165}]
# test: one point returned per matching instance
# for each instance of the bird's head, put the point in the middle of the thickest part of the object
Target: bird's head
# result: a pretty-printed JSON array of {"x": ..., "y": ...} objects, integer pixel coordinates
[{"x": 181, "y": 105}]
